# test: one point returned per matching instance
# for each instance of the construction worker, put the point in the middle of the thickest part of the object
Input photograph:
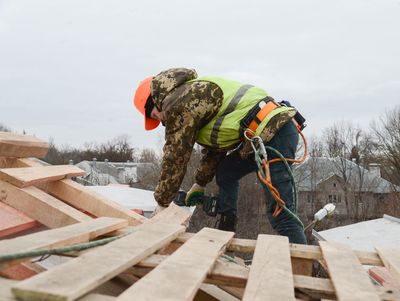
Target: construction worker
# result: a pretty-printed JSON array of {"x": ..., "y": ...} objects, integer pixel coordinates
[{"x": 209, "y": 111}]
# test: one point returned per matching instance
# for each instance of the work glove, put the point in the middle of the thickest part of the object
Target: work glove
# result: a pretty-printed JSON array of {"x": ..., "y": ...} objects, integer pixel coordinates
[
  {"x": 157, "y": 210},
  {"x": 195, "y": 195}
]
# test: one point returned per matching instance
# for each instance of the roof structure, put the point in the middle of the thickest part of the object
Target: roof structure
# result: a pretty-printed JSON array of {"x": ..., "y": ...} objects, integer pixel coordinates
[
  {"x": 104, "y": 173},
  {"x": 154, "y": 259},
  {"x": 128, "y": 197},
  {"x": 366, "y": 235},
  {"x": 316, "y": 170}
]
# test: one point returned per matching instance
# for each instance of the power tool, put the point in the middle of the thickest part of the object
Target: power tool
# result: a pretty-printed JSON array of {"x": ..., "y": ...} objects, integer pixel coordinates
[{"x": 209, "y": 203}]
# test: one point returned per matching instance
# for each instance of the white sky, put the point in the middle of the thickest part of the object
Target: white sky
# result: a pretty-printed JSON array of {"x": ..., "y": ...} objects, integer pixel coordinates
[{"x": 69, "y": 68}]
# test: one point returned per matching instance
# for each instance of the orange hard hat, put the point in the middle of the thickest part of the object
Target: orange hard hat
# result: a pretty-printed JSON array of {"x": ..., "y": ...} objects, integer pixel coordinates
[{"x": 141, "y": 96}]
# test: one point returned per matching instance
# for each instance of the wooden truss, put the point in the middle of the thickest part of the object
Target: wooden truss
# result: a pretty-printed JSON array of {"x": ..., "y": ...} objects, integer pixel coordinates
[{"x": 156, "y": 259}]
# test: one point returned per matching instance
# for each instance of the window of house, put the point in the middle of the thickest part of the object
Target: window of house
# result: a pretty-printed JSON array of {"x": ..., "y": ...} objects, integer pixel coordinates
[
  {"x": 308, "y": 198},
  {"x": 334, "y": 197},
  {"x": 330, "y": 198},
  {"x": 334, "y": 184}
]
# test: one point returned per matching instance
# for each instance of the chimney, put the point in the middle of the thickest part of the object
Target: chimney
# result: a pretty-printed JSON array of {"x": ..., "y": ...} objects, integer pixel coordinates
[{"x": 375, "y": 170}]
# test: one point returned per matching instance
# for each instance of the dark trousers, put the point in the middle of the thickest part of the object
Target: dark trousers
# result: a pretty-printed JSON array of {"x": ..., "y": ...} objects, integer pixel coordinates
[{"x": 232, "y": 168}]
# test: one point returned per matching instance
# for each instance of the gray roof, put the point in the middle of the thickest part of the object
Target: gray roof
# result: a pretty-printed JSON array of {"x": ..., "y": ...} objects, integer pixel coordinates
[
  {"x": 103, "y": 173},
  {"x": 365, "y": 236},
  {"x": 316, "y": 170}
]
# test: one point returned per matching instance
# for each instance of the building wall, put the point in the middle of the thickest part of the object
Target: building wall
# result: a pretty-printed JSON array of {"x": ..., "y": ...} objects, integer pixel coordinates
[{"x": 362, "y": 205}]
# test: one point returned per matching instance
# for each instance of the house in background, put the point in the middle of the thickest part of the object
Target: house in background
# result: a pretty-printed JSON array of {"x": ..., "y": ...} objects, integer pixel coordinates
[
  {"x": 105, "y": 173},
  {"x": 357, "y": 192}
]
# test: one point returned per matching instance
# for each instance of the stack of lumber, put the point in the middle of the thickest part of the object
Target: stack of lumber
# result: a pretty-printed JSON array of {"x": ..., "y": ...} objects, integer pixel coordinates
[{"x": 155, "y": 259}]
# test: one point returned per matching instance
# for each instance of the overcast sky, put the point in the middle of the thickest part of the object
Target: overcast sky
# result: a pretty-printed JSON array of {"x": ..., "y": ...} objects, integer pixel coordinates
[{"x": 69, "y": 68}]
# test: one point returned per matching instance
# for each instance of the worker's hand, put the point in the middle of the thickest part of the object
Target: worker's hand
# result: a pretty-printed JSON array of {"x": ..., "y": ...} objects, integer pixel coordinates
[
  {"x": 195, "y": 195},
  {"x": 157, "y": 210}
]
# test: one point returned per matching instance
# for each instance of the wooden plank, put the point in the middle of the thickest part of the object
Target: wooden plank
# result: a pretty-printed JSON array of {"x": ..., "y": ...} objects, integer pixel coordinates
[
  {"x": 5, "y": 289},
  {"x": 27, "y": 176},
  {"x": 187, "y": 267},
  {"x": 384, "y": 277},
  {"x": 19, "y": 271},
  {"x": 80, "y": 275},
  {"x": 72, "y": 234},
  {"x": 213, "y": 292},
  {"x": 232, "y": 277},
  {"x": 270, "y": 276},
  {"x": 173, "y": 213},
  {"x": 40, "y": 206},
  {"x": 391, "y": 259},
  {"x": 350, "y": 280},
  {"x": 6, "y": 294},
  {"x": 13, "y": 221},
  {"x": 296, "y": 250},
  {"x": 14, "y": 145},
  {"x": 80, "y": 197}
]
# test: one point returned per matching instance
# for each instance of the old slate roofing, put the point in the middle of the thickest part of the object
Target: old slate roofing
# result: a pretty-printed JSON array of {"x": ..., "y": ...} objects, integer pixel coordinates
[{"x": 316, "y": 170}]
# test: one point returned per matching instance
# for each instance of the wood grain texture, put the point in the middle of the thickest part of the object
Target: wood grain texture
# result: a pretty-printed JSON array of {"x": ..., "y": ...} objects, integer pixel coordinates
[
  {"x": 270, "y": 276},
  {"x": 79, "y": 196},
  {"x": 391, "y": 259},
  {"x": 349, "y": 279},
  {"x": 80, "y": 275},
  {"x": 182, "y": 273},
  {"x": 40, "y": 206},
  {"x": 28, "y": 176},
  {"x": 21, "y": 146},
  {"x": 72, "y": 234}
]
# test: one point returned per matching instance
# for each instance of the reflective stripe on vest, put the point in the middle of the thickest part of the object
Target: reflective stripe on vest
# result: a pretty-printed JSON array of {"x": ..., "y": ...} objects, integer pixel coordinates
[
  {"x": 223, "y": 131},
  {"x": 232, "y": 104}
]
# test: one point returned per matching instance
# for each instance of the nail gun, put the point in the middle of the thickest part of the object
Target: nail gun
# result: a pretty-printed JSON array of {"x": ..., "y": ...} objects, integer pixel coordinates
[{"x": 209, "y": 203}]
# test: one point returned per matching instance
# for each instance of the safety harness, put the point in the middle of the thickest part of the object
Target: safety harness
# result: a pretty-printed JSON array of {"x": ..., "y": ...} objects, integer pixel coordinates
[{"x": 249, "y": 126}]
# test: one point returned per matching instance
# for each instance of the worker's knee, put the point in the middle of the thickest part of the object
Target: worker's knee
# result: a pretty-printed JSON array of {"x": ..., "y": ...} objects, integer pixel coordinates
[{"x": 286, "y": 225}]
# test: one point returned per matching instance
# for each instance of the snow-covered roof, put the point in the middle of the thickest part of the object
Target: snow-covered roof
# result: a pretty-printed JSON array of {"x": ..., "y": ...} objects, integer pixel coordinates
[
  {"x": 318, "y": 169},
  {"x": 131, "y": 198},
  {"x": 364, "y": 236},
  {"x": 104, "y": 173}
]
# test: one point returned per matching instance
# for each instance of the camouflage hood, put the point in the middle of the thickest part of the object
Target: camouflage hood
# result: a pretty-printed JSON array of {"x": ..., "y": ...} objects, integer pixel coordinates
[{"x": 166, "y": 81}]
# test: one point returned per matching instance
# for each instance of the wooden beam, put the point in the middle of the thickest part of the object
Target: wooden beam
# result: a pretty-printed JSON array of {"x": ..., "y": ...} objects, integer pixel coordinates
[
  {"x": 233, "y": 277},
  {"x": 40, "y": 206},
  {"x": 20, "y": 146},
  {"x": 349, "y": 279},
  {"x": 174, "y": 214},
  {"x": 28, "y": 176},
  {"x": 270, "y": 276},
  {"x": 13, "y": 221},
  {"x": 296, "y": 250},
  {"x": 72, "y": 234},
  {"x": 181, "y": 274},
  {"x": 80, "y": 275},
  {"x": 212, "y": 292},
  {"x": 391, "y": 259},
  {"x": 80, "y": 197},
  {"x": 6, "y": 294}
]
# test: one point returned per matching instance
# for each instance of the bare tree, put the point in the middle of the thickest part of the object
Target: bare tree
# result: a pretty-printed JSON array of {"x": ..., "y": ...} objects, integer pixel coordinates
[
  {"x": 349, "y": 144},
  {"x": 4, "y": 128},
  {"x": 387, "y": 135}
]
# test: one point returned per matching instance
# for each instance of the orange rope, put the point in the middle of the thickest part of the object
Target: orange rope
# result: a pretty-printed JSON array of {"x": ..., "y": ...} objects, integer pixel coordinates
[{"x": 267, "y": 180}]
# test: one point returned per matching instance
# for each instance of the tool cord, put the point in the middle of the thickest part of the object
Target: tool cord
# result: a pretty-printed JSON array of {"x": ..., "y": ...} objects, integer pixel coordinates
[{"x": 265, "y": 176}]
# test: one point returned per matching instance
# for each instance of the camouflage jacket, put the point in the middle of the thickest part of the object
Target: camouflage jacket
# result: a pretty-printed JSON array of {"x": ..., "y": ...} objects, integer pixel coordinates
[{"x": 187, "y": 107}]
